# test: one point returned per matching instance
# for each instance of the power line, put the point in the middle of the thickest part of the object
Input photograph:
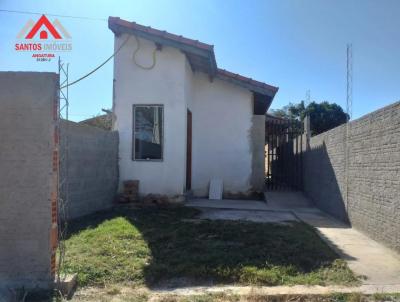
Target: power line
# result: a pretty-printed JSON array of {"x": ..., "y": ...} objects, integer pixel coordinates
[
  {"x": 74, "y": 17},
  {"x": 98, "y": 67},
  {"x": 51, "y": 15}
]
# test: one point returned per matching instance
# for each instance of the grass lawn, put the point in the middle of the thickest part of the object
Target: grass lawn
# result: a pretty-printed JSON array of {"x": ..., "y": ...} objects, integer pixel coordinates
[{"x": 151, "y": 246}]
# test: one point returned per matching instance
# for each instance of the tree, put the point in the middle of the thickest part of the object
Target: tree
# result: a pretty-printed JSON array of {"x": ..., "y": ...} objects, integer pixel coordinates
[
  {"x": 324, "y": 116},
  {"x": 293, "y": 112}
]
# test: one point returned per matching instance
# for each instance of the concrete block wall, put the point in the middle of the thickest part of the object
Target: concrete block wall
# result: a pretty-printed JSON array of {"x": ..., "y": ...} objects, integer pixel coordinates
[
  {"x": 92, "y": 167},
  {"x": 367, "y": 194},
  {"x": 324, "y": 171},
  {"x": 27, "y": 177}
]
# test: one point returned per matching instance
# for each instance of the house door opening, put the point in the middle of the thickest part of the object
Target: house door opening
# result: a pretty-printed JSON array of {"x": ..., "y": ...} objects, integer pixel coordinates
[
  {"x": 189, "y": 151},
  {"x": 283, "y": 154}
]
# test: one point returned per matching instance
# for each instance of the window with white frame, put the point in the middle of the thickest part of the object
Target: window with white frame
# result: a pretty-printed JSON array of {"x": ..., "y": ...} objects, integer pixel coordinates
[{"x": 148, "y": 133}]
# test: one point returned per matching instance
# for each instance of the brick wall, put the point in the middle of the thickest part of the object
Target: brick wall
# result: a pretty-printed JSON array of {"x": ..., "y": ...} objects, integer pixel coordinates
[
  {"x": 27, "y": 178},
  {"x": 92, "y": 168},
  {"x": 367, "y": 193}
]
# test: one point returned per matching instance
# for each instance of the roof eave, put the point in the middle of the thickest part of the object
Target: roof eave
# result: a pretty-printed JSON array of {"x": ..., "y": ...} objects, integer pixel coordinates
[
  {"x": 118, "y": 29},
  {"x": 194, "y": 47},
  {"x": 268, "y": 91},
  {"x": 116, "y": 26}
]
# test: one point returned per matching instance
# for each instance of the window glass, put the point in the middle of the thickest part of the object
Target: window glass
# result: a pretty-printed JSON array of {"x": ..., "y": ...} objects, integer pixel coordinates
[{"x": 148, "y": 132}]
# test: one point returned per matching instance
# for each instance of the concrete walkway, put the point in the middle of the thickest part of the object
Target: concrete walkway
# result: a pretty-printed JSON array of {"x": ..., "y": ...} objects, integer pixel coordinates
[
  {"x": 296, "y": 290},
  {"x": 126, "y": 292},
  {"x": 248, "y": 215},
  {"x": 249, "y": 210},
  {"x": 366, "y": 257},
  {"x": 228, "y": 204}
]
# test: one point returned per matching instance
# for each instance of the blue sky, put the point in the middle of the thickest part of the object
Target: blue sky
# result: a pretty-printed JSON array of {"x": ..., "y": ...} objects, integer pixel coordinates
[{"x": 296, "y": 45}]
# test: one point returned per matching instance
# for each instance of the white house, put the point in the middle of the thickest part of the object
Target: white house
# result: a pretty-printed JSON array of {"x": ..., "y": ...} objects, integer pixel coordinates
[{"x": 183, "y": 121}]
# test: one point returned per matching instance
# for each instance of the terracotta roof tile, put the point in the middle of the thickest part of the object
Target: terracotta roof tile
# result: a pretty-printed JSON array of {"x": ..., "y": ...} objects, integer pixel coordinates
[
  {"x": 246, "y": 79},
  {"x": 269, "y": 89},
  {"x": 160, "y": 33}
]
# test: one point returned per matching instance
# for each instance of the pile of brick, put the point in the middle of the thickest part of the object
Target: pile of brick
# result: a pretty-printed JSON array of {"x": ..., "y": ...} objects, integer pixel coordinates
[{"x": 131, "y": 191}]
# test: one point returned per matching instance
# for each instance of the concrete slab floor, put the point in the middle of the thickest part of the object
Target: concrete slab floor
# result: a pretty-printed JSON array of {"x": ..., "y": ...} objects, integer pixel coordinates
[
  {"x": 247, "y": 215},
  {"x": 282, "y": 290},
  {"x": 227, "y": 204},
  {"x": 366, "y": 257},
  {"x": 95, "y": 293},
  {"x": 286, "y": 200},
  {"x": 379, "y": 265}
]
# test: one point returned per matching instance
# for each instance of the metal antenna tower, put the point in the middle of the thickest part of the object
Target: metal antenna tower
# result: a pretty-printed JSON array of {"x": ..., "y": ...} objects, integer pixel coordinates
[
  {"x": 349, "y": 108},
  {"x": 349, "y": 91},
  {"x": 308, "y": 97},
  {"x": 63, "y": 108}
]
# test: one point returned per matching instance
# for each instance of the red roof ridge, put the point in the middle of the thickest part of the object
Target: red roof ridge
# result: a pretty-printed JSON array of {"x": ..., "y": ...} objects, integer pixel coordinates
[
  {"x": 224, "y": 74},
  {"x": 246, "y": 79},
  {"x": 163, "y": 33}
]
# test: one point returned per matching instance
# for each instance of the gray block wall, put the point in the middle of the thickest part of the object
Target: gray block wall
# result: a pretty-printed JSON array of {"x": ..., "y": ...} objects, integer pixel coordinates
[
  {"x": 27, "y": 179},
  {"x": 367, "y": 194},
  {"x": 92, "y": 168}
]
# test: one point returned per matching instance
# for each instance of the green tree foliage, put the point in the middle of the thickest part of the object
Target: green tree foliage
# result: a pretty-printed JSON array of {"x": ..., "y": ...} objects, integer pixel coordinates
[
  {"x": 292, "y": 111},
  {"x": 324, "y": 116}
]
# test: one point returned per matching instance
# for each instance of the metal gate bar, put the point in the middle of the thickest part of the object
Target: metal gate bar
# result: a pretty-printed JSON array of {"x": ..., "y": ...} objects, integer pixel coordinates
[{"x": 284, "y": 141}]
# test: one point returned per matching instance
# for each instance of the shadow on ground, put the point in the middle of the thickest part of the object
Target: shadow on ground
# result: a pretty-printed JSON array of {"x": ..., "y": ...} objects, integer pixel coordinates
[{"x": 165, "y": 247}]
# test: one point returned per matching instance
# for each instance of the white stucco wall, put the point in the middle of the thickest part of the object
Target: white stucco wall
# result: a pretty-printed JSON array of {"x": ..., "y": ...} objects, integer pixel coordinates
[
  {"x": 222, "y": 120},
  {"x": 188, "y": 85},
  {"x": 164, "y": 84}
]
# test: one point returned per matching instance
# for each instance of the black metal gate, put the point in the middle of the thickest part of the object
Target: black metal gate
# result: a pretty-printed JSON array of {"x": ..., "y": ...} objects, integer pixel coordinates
[{"x": 283, "y": 161}]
